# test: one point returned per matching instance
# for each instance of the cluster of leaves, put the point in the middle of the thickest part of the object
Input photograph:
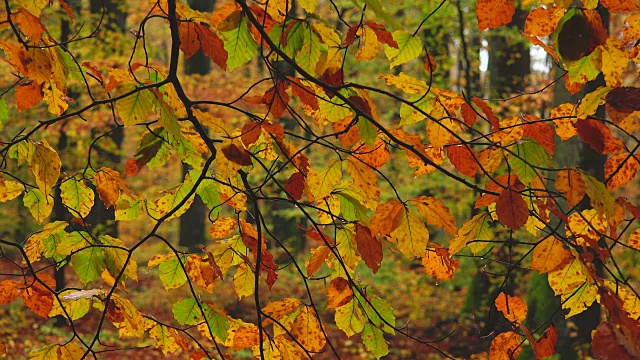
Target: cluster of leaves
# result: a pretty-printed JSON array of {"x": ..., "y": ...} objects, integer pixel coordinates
[{"x": 238, "y": 171}]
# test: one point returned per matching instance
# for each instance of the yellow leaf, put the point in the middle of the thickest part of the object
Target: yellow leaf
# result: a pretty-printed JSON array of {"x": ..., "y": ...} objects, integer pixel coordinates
[
  {"x": 601, "y": 198},
  {"x": 410, "y": 234},
  {"x": 308, "y": 5},
  {"x": 586, "y": 223},
  {"x": 625, "y": 167},
  {"x": 548, "y": 254},
  {"x": 568, "y": 277},
  {"x": 564, "y": 116},
  {"x": 409, "y": 48},
  {"x": 39, "y": 207},
  {"x": 364, "y": 178},
  {"x": 571, "y": 184},
  {"x": 279, "y": 309},
  {"x": 126, "y": 318},
  {"x": 441, "y": 132},
  {"x": 322, "y": 183},
  {"x": 406, "y": 83},
  {"x": 77, "y": 197},
  {"x": 306, "y": 329},
  {"x": 10, "y": 190},
  {"x": 244, "y": 281},
  {"x": 478, "y": 228},
  {"x": 168, "y": 339},
  {"x": 134, "y": 108},
  {"x": 590, "y": 102},
  {"x": 578, "y": 301},
  {"x": 614, "y": 62},
  {"x": 435, "y": 213},
  {"x": 45, "y": 166},
  {"x": 35, "y": 246},
  {"x": 223, "y": 227},
  {"x": 369, "y": 45}
]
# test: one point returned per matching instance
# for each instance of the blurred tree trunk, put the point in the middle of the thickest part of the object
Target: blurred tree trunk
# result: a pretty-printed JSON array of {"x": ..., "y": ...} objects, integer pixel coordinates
[{"x": 192, "y": 223}]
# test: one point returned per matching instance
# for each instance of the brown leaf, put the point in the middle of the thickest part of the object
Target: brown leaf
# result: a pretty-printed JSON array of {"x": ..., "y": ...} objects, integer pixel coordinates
[
  {"x": 295, "y": 185},
  {"x": 212, "y": 46},
  {"x": 488, "y": 112},
  {"x": 624, "y": 99},
  {"x": 338, "y": 293},
  {"x": 610, "y": 344},
  {"x": 370, "y": 248},
  {"x": 238, "y": 155},
  {"x": 546, "y": 345},
  {"x": 511, "y": 209}
]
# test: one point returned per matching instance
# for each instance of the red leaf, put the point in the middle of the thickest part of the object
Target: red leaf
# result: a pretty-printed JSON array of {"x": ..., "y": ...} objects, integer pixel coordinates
[
  {"x": 609, "y": 343},
  {"x": 625, "y": 99},
  {"x": 369, "y": 248},
  {"x": 250, "y": 133},
  {"x": 540, "y": 132},
  {"x": 511, "y": 209},
  {"x": 383, "y": 35},
  {"x": 304, "y": 93},
  {"x": 361, "y": 104},
  {"x": 66, "y": 8},
  {"x": 598, "y": 136},
  {"x": 332, "y": 79},
  {"x": 189, "y": 43},
  {"x": 545, "y": 346},
  {"x": 212, "y": 46},
  {"x": 486, "y": 109},
  {"x": 274, "y": 129},
  {"x": 468, "y": 114},
  {"x": 277, "y": 99},
  {"x": 351, "y": 35},
  {"x": 463, "y": 158},
  {"x": 237, "y": 155},
  {"x": 295, "y": 185}
]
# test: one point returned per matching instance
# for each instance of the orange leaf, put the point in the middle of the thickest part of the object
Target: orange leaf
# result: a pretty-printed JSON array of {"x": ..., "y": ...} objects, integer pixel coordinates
[
  {"x": 494, "y": 13},
  {"x": 511, "y": 209},
  {"x": 548, "y": 255},
  {"x": 189, "y": 43},
  {"x": 28, "y": 95},
  {"x": 37, "y": 297},
  {"x": 108, "y": 184},
  {"x": 223, "y": 227},
  {"x": 438, "y": 263},
  {"x": 338, "y": 293},
  {"x": 370, "y": 248},
  {"x": 546, "y": 345},
  {"x": 9, "y": 291},
  {"x": 512, "y": 307},
  {"x": 543, "y": 21},
  {"x": 620, "y": 169},
  {"x": 376, "y": 156},
  {"x": 540, "y": 132},
  {"x": 464, "y": 159},
  {"x": 238, "y": 155},
  {"x": 29, "y": 24},
  {"x": 319, "y": 255},
  {"x": 435, "y": 213},
  {"x": 382, "y": 219},
  {"x": 570, "y": 182},
  {"x": 304, "y": 93},
  {"x": 383, "y": 35},
  {"x": 505, "y": 346},
  {"x": 276, "y": 99},
  {"x": 364, "y": 178},
  {"x": 280, "y": 309},
  {"x": 619, "y": 5}
]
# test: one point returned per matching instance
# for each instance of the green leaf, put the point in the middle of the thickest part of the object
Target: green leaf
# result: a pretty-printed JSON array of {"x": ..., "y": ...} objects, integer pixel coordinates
[
  {"x": 409, "y": 48},
  {"x": 367, "y": 132},
  {"x": 218, "y": 324},
  {"x": 524, "y": 159},
  {"x": 168, "y": 119},
  {"x": 88, "y": 263},
  {"x": 48, "y": 352},
  {"x": 71, "y": 242},
  {"x": 187, "y": 312},
  {"x": 586, "y": 68},
  {"x": 77, "y": 196},
  {"x": 311, "y": 51},
  {"x": 374, "y": 341},
  {"x": 171, "y": 274},
  {"x": 39, "y": 207},
  {"x": 36, "y": 243},
  {"x": 116, "y": 258},
  {"x": 209, "y": 192},
  {"x": 410, "y": 115},
  {"x": 136, "y": 107},
  {"x": 382, "y": 308},
  {"x": 76, "y": 308},
  {"x": 350, "y": 318},
  {"x": 128, "y": 208},
  {"x": 4, "y": 113},
  {"x": 239, "y": 45}
]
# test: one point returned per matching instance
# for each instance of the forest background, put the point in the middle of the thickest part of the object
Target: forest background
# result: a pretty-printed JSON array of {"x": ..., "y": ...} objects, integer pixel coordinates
[{"x": 427, "y": 179}]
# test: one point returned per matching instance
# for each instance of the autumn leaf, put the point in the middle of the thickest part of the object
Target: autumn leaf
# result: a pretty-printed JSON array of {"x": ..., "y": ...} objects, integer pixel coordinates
[
  {"x": 338, "y": 293},
  {"x": 45, "y": 165},
  {"x": 494, "y": 13},
  {"x": 620, "y": 169},
  {"x": 511, "y": 209},
  {"x": 512, "y": 307},
  {"x": 549, "y": 254},
  {"x": 438, "y": 263},
  {"x": 369, "y": 248},
  {"x": 505, "y": 346}
]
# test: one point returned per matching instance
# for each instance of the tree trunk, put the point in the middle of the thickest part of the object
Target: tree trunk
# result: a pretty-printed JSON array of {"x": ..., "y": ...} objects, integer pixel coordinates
[{"x": 192, "y": 223}]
